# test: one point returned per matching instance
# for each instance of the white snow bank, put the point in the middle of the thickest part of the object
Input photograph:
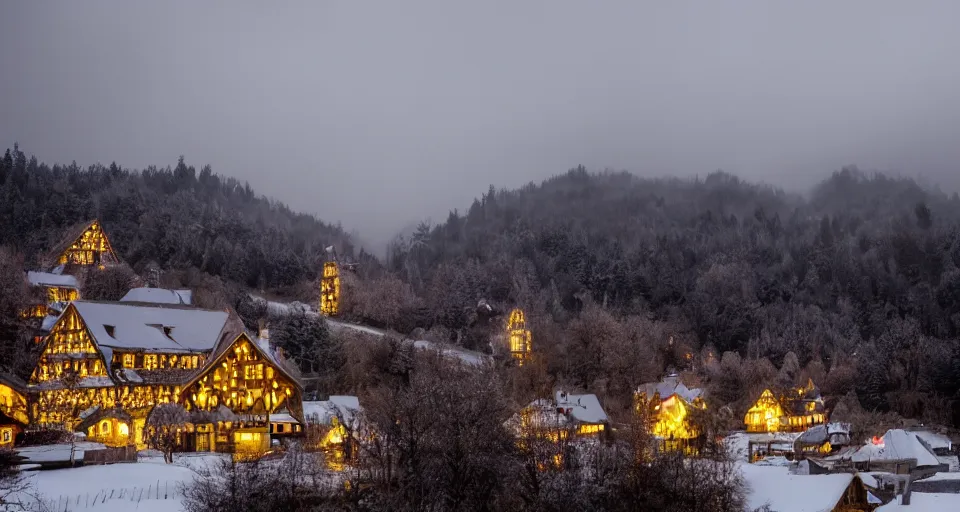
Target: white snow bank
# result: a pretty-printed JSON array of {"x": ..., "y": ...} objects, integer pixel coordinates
[
  {"x": 924, "y": 502},
  {"x": 57, "y": 452},
  {"x": 114, "y": 487}
]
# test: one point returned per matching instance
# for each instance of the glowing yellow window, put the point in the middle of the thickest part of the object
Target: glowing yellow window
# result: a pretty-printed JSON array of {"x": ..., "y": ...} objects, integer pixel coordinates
[
  {"x": 150, "y": 362},
  {"x": 128, "y": 360},
  {"x": 123, "y": 429},
  {"x": 105, "y": 427}
]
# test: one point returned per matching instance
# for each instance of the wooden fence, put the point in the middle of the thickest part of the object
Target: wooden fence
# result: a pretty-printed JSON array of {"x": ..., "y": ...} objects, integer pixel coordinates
[{"x": 110, "y": 455}]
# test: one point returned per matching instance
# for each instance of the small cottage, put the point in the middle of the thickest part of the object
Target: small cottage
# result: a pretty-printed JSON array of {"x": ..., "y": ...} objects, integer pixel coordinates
[
  {"x": 790, "y": 410},
  {"x": 821, "y": 440},
  {"x": 776, "y": 487},
  {"x": 670, "y": 407}
]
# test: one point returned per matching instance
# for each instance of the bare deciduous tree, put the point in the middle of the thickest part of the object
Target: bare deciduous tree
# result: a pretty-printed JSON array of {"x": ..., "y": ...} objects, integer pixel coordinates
[{"x": 164, "y": 428}]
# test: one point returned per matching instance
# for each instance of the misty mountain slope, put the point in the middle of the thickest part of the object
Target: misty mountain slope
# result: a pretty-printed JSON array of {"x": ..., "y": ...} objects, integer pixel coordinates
[
  {"x": 177, "y": 217},
  {"x": 738, "y": 266}
]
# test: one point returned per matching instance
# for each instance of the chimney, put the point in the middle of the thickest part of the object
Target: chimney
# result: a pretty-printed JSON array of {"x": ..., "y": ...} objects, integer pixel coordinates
[
  {"x": 905, "y": 499},
  {"x": 264, "y": 331}
]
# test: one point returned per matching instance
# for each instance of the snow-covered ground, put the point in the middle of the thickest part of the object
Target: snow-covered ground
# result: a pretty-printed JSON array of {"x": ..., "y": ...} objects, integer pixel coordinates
[
  {"x": 110, "y": 488},
  {"x": 925, "y": 502},
  {"x": 57, "y": 452}
]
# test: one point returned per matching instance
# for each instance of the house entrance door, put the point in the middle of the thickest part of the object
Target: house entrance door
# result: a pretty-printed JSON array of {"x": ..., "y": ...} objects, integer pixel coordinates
[{"x": 203, "y": 442}]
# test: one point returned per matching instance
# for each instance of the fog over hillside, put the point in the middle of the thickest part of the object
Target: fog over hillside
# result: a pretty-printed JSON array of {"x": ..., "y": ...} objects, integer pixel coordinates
[{"x": 378, "y": 115}]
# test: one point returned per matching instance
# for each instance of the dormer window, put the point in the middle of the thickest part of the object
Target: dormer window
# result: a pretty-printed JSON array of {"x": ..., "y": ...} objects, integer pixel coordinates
[
  {"x": 110, "y": 330},
  {"x": 167, "y": 331}
]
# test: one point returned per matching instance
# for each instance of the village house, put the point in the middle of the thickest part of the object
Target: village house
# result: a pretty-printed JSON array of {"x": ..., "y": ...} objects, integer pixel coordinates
[
  {"x": 105, "y": 365},
  {"x": 55, "y": 285},
  {"x": 83, "y": 245},
  {"x": 520, "y": 338},
  {"x": 897, "y": 448},
  {"x": 791, "y": 410},
  {"x": 13, "y": 409},
  {"x": 330, "y": 289},
  {"x": 821, "y": 440},
  {"x": 331, "y": 426},
  {"x": 670, "y": 407},
  {"x": 581, "y": 415},
  {"x": 554, "y": 428},
  {"x": 783, "y": 491}
]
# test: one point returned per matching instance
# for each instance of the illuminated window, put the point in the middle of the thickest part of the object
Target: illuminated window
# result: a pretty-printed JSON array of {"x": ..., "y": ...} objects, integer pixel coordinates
[
  {"x": 6, "y": 436},
  {"x": 128, "y": 360},
  {"x": 105, "y": 427},
  {"x": 253, "y": 371},
  {"x": 150, "y": 362}
]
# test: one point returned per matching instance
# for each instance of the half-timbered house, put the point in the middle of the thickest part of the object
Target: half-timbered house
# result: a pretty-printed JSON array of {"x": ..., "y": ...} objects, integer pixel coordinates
[{"x": 105, "y": 365}]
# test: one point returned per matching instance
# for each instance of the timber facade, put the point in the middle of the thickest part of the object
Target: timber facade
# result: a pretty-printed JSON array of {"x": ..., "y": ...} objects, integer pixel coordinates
[
  {"x": 105, "y": 365},
  {"x": 789, "y": 410}
]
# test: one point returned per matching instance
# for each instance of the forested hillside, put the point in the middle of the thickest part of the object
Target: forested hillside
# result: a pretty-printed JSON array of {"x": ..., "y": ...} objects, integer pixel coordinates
[
  {"x": 856, "y": 285},
  {"x": 741, "y": 285},
  {"x": 176, "y": 217}
]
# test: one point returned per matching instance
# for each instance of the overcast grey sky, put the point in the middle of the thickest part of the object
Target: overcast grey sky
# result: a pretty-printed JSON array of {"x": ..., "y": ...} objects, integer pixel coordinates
[{"x": 378, "y": 113}]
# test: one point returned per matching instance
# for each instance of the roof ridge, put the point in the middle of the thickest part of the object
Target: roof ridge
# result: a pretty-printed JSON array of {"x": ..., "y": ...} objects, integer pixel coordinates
[{"x": 157, "y": 305}]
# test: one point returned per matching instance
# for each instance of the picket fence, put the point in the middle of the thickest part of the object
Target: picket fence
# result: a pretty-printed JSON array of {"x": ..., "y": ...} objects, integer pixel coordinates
[{"x": 162, "y": 490}]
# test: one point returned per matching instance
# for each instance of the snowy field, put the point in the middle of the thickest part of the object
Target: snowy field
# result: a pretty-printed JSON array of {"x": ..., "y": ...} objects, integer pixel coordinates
[
  {"x": 925, "y": 502},
  {"x": 110, "y": 488},
  {"x": 148, "y": 485}
]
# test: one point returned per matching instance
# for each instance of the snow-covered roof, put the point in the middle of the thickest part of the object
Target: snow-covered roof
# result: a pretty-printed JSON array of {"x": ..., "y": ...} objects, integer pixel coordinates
[
  {"x": 819, "y": 434},
  {"x": 282, "y": 418},
  {"x": 897, "y": 444},
  {"x": 934, "y": 440},
  {"x": 49, "y": 279},
  {"x": 48, "y": 322},
  {"x": 786, "y": 492},
  {"x": 133, "y": 326},
  {"x": 159, "y": 296},
  {"x": 583, "y": 408},
  {"x": 322, "y": 412},
  {"x": 670, "y": 385}
]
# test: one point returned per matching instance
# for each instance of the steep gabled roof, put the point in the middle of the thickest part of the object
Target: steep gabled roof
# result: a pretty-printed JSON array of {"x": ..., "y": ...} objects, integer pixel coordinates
[
  {"x": 69, "y": 237},
  {"x": 897, "y": 444},
  {"x": 670, "y": 385},
  {"x": 224, "y": 348}
]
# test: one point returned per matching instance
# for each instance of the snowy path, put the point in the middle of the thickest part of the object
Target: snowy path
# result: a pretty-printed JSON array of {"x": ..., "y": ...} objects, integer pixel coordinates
[{"x": 467, "y": 356}]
